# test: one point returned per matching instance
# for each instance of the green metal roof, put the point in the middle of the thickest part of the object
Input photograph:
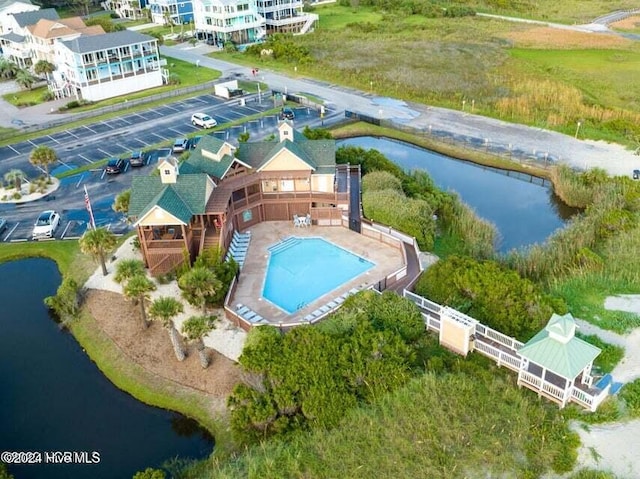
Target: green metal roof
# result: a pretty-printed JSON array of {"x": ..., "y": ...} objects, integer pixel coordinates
[
  {"x": 183, "y": 199},
  {"x": 557, "y": 349},
  {"x": 197, "y": 162}
]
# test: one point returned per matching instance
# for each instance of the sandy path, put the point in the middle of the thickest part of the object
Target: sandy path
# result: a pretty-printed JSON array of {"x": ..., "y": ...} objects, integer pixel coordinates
[{"x": 615, "y": 447}]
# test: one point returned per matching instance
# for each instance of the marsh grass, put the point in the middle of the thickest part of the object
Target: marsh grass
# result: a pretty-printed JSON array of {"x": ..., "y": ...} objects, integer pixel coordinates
[{"x": 444, "y": 61}]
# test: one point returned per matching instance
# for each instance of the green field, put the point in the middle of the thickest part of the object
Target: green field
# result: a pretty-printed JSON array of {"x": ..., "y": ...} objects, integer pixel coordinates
[
  {"x": 606, "y": 77},
  {"x": 511, "y": 71}
]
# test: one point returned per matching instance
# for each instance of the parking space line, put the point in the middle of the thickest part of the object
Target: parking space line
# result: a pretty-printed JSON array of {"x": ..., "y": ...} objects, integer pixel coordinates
[
  {"x": 102, "y": 151},
  {"x": 143, "y": 142},
  {"x": 53, "y": 139},
  {"x": 65, "y": 230},
  {"x": 85, "y": 159},
  {"x": 34, "y": 144},
  {"x": 161, "y": 137},
  {"x": 11, "y": 232},
  {"x": 122, "y": 119},
  {"x": 177, "y": 131},
  {"x": 103, "y": 173},
  {"x": 92, "y": 131},
  {"x": 171, "y": 108},
  {"x": 65, "y": 164},
  {"x": 80, "y": 180},
  {"x": 126, "y": 166},
  {"x": 13, "y": 149},
  {"x": 75, "y": 136}
]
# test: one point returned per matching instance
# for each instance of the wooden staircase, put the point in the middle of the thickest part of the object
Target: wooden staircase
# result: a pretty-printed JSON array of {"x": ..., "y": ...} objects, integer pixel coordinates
[{"x": 211, "y": 239}]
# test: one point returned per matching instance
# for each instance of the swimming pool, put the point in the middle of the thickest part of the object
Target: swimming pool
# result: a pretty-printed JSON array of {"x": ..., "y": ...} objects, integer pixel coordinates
[{"x": 300, "y": 270}]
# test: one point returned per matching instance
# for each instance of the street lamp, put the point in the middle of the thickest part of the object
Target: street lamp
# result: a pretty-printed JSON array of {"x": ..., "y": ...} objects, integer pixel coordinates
[{"x": 259, "y": 96}]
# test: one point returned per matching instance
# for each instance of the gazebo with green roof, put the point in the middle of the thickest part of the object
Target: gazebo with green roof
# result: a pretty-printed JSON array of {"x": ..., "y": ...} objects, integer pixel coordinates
[{"x": 555, "y": 363}]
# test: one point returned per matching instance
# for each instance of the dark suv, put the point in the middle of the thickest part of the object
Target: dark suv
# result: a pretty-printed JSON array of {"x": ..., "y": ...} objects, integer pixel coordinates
[
  {"x": 115, "y": 166},
  {"x": 287, "y": 114}
]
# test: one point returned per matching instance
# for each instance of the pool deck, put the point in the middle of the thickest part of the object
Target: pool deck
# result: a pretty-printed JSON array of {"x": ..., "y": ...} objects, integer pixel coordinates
[{"x": 387, "y": 260}]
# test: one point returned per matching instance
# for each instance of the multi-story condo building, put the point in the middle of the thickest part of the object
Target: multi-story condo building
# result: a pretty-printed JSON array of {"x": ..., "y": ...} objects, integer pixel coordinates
[
  {"x": 14, "y": 43},
  {"x": 104, "y": 66},
  {"x": 179, "y": 12},
  {"x": 10, "y": 7},
  {"x": 130, "y": 9},
  {"x": 42, "y": 36},
  {"x": 219, "y": 21},
  {"x": 286, "y": 16}
]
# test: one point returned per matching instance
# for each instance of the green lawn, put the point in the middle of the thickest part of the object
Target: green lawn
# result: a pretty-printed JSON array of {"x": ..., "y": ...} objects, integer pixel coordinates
[
  {"x": 64, "y": 253},
  {"x": 26, "y": 97},
  {"x": 337, "y": 17}
]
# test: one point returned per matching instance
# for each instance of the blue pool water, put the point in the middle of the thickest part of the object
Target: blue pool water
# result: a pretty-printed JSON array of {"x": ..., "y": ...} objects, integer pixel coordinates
[{"x": 301, "y": 270}]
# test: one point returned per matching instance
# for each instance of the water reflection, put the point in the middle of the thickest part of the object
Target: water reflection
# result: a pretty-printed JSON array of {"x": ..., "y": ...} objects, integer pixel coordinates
[
  {"x": 524, "y": 208},
  {"x": 54, "y": 398}
]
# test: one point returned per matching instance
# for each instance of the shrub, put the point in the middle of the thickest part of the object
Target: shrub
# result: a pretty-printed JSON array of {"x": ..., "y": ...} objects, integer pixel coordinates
[
  {"x": 380, "y": 180},
  {"x": 630, "y": 393},
  {"x": 493, "y": 295},
  {"x": 393, "y": 208},
  {"x": 16, "y": 195}
]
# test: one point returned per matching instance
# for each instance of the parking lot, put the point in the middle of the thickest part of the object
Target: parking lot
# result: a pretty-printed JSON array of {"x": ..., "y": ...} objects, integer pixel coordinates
[{"x": 117, "y": 137}]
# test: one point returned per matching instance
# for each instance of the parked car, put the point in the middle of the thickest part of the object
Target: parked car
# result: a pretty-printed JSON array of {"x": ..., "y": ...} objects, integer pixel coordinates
[
  {"x": 287, "y": 114},
  {"x": 203, "y": 120},
  {"x": 193, "y": 142},
  {"x": 115, "y": 166},
  {"x": 180, "y": 145},
  {"x": 636, "y": 174},
  {"x": 3, "y": 224},
  {"x": 46, "y": 225},
  {"x": 137, "y": 158}
]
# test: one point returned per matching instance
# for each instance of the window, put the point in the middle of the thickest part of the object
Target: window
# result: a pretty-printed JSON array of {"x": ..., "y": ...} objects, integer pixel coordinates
[
  {"x": 286, "y": 185},
  {"x": 167, "y": 172},
  {"x": 207, "y": 20},
  {"x": 247, "y": 215}
]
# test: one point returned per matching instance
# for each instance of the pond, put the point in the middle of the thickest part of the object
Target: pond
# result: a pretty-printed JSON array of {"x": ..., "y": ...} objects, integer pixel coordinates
[
  {"x": 54, "y": 398},
  {"x": 523, "y": 207}
]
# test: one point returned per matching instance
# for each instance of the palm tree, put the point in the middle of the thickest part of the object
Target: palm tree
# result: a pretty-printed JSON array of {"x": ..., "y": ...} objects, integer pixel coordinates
[
  {"x": 195, "y": 329},
  {"x": 43, "y": 156},
  {"x": 164, "y": 309},
  {"x": 25, "y": 79},
  {"x": 168, "y": 20},
  {"x": 127, "y": 269},
  {"x": 97, "y": 243},
  {"x": 15, "y": 176},
  {"x": 121, "y": 203},
  {"x": 138, "y": 288},
  {"x": 198, "y": 285},
  {"x": 8, "y": 69},
  {"x": 43, "y": 67}
]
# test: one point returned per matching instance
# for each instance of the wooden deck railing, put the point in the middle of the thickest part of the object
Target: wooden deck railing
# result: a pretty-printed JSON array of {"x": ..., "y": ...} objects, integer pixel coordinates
[{"x": 501, "y": 357}]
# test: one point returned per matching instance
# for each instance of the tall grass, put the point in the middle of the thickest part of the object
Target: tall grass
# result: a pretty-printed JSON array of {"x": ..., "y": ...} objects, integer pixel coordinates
[
  {"x": 476, "y": 236},
  {"x": 451, "y": 426}
]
